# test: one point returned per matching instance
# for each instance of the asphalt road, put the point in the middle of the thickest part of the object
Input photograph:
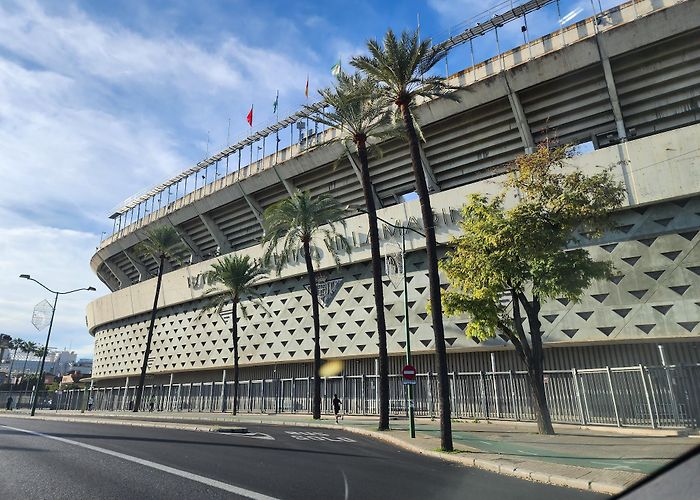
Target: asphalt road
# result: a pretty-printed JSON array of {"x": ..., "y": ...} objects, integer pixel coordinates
[{"x": 57, "y": 460}]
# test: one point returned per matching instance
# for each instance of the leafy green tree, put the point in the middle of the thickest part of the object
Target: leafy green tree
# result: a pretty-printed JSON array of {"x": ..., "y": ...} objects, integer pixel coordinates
[
  {"x": 161, "y": 243},
  {"x": 400, "y": 66},
  {"x": 296, "y": 222},
  {"x": 356, "y": 111},
  {"x": 527, "y": 252},
  {"x": 238, "y": 274}
]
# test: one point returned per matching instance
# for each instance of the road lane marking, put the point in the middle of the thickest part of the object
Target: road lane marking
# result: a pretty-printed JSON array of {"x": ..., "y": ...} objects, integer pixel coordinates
[
  {"x": 254, "y": 435},
  {"x": 318, "y": 436},
  {"x": 170, "y": 470},
  {"x": 347, "y": 488}
]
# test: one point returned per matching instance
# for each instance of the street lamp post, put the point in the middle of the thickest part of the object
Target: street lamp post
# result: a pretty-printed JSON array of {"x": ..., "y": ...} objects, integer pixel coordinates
[
  {"x": 409, "y": 387},
  {"x": 48, "y": 335}
]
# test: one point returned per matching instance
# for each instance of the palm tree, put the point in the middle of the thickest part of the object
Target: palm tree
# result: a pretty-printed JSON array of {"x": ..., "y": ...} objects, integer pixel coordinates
[
  {"x": 400, "y": 66},
  {"x": 15, "y": 345},
  {"x": 161, "y": 243},
  {"x": 238, "y": 274},
  {"x": 296, "y": 221},
  {"x": 39, "y": 353},
  {"x": 356, "y": 111},
  {"x": 28, "y": 347}
]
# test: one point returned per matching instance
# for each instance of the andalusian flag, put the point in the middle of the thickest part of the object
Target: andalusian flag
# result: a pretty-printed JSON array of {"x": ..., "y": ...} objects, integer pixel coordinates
[
  {"x": 276, "y": 103},
  {"x": 336, "y": 69}
]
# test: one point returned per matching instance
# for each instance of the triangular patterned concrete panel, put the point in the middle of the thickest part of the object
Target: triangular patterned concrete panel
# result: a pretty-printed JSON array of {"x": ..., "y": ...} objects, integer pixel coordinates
[
  {"x": 622, "y": 312},
  {"x": 631, "y": 260},
  {"x": 663, "y": 309},
  {"x": 671, "y": 255},
  {"x": 680, "y": 289},
  {"x": 689, "y": 235},
  {"x": 689, "y": 325},
  {"x": 655, "y": 275},
  {"x": 600, "y": 297},
  {"x": 663, "y": 222}
]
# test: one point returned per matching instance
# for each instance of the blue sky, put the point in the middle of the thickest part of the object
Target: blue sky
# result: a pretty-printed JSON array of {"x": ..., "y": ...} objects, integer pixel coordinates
[{"x": 102, "y": 100}]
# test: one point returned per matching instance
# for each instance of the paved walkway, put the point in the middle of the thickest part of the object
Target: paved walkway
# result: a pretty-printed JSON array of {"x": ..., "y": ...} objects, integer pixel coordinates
[{"x": 600, "y": 460}]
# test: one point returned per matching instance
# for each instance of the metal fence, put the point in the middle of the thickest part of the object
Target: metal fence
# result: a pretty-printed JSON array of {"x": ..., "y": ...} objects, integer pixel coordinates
[{"x": 641, "y": 396}]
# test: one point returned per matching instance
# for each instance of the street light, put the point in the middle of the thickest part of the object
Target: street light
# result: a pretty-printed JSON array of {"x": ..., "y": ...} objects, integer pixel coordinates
[
  {"x": 402, "y": 230},
  {"x": 48, "y": 335}
]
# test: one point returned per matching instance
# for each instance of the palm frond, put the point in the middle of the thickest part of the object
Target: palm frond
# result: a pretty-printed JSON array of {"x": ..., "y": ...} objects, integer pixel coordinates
[{"x": 296, "y": 220}]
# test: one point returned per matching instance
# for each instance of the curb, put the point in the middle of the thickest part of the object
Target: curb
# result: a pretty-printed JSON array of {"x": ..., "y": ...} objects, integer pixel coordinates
[{"x": 508, "y": 470}]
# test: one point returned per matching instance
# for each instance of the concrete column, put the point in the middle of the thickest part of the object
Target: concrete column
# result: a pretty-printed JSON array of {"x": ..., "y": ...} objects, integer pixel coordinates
[
  {"x": 126, "y": 393},
  {"x": 223, "y": 391},
  {"x": 430, "y": 178},
  {"x": 356, "y": 167},
  {"x": 252, "y": 204},
  {"x": 144, "y": 274},
  {"x": 170, "y": 390},
  {"x": 118, "y": 273},
  {"x": 520, "y": 118},
  {"x": 612, "y": 88},
  {"x": 288, "y": 185},
  {"x": 189, "y": 242},
  {"x": 216, "y": 233}
]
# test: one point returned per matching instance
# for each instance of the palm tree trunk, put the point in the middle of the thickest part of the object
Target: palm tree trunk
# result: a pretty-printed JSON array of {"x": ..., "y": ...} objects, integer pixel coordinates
[
  {"x": 316, "y": 402},
  {"x": 12, "y": 363},
  {"x": 24, "y": 370},
  {"x": 234, "y": 334},
  {"x": 378, "y": 287},
  {"x": 433, "y": 279},
  {"x": 149, "y": 337}
]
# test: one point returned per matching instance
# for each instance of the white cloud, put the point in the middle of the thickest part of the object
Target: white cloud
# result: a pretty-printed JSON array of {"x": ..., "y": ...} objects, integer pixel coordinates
[
  {"x": 59, "y": 258},
  {"x": 91, "y": 113}
]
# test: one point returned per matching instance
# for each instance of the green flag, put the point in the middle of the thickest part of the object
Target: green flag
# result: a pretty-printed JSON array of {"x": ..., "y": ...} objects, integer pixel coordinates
[
  {"x": 276, "y": 103},
  {"x": 336, "y": 69}
]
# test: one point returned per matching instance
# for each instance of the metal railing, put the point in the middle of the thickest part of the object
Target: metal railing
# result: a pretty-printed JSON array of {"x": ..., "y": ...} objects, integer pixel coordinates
[{"x": 638, "y": 396}]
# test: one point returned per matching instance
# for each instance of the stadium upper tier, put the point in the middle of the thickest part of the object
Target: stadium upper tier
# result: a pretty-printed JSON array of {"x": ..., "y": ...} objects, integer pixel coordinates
[{"x": 630, "y": 72}]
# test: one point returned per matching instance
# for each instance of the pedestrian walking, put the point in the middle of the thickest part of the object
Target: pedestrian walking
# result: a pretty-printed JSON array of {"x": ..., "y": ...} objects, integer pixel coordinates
[
  {"x": 8, "y": 406},
  {"x": 90, "y": 403},
  {"x": 336, "y": 407}
]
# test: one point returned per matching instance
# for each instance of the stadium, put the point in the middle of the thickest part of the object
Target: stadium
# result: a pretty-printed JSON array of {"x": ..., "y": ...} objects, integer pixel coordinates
[{"x": 624, "y": 85}]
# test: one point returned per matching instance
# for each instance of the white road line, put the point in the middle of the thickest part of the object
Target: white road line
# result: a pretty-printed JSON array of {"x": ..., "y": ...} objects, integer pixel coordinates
[
  {"x": 170, "y": 470},
  {"x": 347, "y": 488}
]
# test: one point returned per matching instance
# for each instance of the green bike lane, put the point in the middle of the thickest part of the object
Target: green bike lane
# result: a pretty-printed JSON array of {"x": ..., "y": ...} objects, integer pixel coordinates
[{"x": 590, "y": 449}]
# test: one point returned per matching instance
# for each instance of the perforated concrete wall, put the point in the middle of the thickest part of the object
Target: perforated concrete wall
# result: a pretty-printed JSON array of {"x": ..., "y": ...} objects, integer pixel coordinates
[{"x": 656, "y": 296}]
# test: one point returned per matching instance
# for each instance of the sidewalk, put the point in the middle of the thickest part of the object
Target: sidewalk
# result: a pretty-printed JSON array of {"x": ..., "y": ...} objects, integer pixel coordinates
[{"x": 599, "y": 460}]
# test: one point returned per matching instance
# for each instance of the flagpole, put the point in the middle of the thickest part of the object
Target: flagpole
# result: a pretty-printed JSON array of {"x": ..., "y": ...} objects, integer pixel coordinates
[
  {"x": 277, "y": 132},
  {"x": 250, "y": 164},
  {"x": 307, "y": 116}
]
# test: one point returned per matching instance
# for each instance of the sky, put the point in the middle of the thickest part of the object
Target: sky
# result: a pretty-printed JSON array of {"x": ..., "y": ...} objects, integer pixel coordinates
[{"x": 100, "y": 101}]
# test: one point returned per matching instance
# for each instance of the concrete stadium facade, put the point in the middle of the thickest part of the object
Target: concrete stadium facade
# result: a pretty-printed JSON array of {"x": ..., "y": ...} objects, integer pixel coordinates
[{"x": 627, "y": 82}]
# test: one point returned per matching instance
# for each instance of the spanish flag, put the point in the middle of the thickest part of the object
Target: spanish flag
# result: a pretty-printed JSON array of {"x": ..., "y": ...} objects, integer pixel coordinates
[{"x": 306, "y": 92}]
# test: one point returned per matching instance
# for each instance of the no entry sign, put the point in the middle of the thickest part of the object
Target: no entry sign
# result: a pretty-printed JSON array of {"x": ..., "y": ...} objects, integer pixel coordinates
[{"x": 409, "y": 375}]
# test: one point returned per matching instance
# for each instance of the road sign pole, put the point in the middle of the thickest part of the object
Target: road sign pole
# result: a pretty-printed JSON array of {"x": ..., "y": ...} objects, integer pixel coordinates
[{"x": 409, "y": 387}]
